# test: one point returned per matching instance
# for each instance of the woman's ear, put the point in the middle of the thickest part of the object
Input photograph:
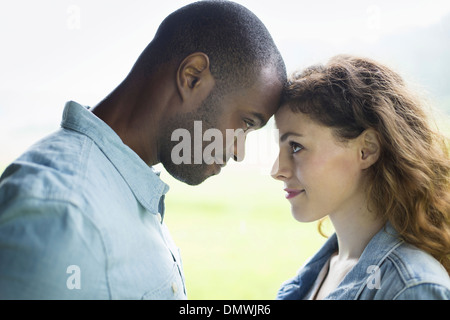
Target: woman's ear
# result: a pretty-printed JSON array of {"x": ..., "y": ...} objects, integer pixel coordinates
[
  {"x": 369, "y": 148},
  {"x": 194, "y": 76}
]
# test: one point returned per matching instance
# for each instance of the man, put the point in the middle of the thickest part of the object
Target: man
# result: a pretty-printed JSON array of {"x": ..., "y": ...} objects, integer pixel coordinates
[{"x": 81, "y": 212}]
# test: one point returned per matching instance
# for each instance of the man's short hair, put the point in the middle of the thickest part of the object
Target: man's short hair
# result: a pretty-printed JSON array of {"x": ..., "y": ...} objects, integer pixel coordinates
[{"x": 236, "y": 41}]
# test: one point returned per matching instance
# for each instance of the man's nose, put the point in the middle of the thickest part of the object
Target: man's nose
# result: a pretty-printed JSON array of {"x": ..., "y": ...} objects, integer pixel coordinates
[{"x": 239, "y": 146}]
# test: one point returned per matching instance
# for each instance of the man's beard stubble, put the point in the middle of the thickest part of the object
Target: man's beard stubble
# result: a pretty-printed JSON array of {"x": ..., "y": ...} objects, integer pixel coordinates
[{"x": 193, "y": 174}]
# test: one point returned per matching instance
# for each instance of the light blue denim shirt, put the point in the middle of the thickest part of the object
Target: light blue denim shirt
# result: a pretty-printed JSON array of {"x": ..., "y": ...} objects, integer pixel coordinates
[
  {"x": 388, "y": 269},
  {"x": 81, "y": 217}
]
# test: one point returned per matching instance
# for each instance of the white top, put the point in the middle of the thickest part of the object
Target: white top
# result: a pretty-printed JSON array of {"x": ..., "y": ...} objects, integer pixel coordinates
[{"x": 319, "y": 280}]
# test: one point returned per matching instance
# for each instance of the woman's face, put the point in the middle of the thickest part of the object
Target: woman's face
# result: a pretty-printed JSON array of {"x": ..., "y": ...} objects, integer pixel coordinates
[{"x": 322, "y": 176}]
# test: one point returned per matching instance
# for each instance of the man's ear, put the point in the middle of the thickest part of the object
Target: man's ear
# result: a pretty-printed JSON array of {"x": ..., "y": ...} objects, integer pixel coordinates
[
  {"x": 194, "y": 76},
  {"x": 370, "y": 148}
]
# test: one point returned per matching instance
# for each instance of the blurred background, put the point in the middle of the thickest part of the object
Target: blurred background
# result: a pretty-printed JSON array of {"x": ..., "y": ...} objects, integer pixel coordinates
[{"x": 235, "y": 231}]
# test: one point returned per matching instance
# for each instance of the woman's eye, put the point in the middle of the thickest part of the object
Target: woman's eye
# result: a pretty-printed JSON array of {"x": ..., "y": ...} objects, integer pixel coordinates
[{"x": 295, "y": 147}]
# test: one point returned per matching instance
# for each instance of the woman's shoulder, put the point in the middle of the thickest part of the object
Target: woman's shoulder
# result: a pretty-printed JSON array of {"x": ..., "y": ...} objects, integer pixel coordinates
[
  {"x": 414, "y": 264},
  {"x": 410, "y": 273}
]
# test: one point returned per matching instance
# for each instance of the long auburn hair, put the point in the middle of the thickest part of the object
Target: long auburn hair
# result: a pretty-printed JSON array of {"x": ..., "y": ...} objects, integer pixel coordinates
[{"x": 409, "y": 184}]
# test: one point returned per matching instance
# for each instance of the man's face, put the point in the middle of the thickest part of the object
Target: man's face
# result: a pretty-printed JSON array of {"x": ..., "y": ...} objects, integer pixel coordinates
[{"x": 240, "y": 112}]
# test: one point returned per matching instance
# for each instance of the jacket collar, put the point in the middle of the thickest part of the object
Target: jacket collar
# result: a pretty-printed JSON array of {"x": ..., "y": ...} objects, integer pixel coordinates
[
  {"x": 143, "y": 180},
  {"x": 375, "y": 253}
]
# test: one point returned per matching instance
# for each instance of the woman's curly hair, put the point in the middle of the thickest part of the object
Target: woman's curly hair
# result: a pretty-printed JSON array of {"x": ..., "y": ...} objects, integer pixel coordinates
[{"x": 409, "y": 184}]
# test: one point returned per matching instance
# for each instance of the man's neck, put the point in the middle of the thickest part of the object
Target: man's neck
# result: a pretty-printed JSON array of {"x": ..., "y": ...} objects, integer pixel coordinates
[{"x": 127, "y": 111}]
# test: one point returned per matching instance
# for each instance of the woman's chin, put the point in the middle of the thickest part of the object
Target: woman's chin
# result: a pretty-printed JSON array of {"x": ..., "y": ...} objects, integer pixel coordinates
[{"x": 304, "y": 216}]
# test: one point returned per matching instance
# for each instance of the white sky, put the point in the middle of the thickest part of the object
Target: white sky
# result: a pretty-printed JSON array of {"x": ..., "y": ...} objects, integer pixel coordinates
[{"x": 55, "y": 51}]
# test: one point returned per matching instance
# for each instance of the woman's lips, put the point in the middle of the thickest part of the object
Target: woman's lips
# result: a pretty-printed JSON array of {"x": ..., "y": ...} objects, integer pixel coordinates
[{"x": 291, "y": 193}]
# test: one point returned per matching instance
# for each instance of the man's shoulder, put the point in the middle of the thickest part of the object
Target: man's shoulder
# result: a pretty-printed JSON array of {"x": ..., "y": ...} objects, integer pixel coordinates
[{"x": 49, "y": 169}]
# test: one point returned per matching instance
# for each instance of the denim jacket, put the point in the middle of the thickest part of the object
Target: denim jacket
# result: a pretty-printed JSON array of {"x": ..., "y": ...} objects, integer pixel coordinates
[{"x": 388, "y": 269}]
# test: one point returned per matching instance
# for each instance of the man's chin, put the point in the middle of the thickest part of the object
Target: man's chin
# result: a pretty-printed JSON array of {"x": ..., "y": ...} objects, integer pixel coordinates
[
  {"x": 192, "y": 181},
  {"x": 193, "y": 174}
]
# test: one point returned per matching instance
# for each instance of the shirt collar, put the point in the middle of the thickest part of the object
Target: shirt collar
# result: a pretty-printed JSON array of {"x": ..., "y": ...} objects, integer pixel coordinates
[{"x": 143, "y": 180}]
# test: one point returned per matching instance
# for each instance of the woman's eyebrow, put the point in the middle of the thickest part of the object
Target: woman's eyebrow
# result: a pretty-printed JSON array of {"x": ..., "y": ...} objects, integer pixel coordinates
[{"x": 287, "y": 134}]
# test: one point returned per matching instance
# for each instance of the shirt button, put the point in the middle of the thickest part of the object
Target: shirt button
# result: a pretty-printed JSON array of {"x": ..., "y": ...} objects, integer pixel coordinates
[
  {"x": 174, "y": 288},
  {"x": 159, "y": 217}
]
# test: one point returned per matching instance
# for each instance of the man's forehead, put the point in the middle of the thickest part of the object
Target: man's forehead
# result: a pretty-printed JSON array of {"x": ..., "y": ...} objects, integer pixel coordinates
[
  {"x": 269, "y": 88},
  {"x": 269, "y": 76}
]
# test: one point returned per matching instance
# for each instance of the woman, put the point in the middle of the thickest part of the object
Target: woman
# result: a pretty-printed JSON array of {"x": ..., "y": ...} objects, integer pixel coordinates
[{"x": 355, "y": 146}]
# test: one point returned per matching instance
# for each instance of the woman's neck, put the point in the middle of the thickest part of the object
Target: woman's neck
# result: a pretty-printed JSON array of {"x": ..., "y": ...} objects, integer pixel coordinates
[{"x": 355, "y": 228}]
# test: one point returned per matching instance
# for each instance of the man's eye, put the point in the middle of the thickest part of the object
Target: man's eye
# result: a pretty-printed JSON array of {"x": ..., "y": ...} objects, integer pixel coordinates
[
  {"x": 295, "y": 147},
  {"x": 248, "y": 124}
]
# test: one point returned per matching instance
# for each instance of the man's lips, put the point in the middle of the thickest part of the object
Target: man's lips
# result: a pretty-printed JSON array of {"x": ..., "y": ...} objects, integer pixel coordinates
[{"x": 291, "y": 193}]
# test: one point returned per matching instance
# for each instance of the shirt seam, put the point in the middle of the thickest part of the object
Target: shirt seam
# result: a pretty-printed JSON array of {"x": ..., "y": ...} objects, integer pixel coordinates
[
  {"x": 88, "y": 143},
  {"x": 98, "y": 230}
]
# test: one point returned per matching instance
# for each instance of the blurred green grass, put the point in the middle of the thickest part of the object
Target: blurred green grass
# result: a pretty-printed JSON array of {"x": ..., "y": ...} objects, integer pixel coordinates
[{"x": 236, "y": 235}]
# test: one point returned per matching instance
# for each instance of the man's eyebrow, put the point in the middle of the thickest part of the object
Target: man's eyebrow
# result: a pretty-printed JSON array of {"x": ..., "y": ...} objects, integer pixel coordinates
[
  {"x": 262, "y": 120},
  {"x": 287, "y": 134}
]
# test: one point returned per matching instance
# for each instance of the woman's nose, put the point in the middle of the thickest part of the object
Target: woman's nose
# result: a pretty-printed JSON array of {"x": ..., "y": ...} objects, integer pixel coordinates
[{"x": 280, "y": 169}]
